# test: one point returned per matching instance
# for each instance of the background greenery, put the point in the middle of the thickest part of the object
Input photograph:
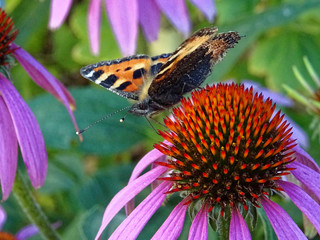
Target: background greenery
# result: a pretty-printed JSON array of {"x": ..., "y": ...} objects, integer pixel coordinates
[{"x": 83, "y": 177}]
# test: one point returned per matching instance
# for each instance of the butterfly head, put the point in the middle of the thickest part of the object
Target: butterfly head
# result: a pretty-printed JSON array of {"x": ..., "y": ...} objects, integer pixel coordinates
[{"x": 146, "y": 107}]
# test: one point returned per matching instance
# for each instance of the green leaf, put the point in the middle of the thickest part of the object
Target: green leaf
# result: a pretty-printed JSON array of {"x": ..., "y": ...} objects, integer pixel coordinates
[
  {"x": 107, "y": 137},
  {"x": 254, "y": 25},
  {"x": 275, "y": 57},
  {"x": 268, "y": 230}
]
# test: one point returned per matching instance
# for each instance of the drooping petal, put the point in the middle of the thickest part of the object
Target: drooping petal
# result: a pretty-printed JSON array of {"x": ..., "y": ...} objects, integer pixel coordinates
[
  {"x": 149, "y": 18},
  {"x": 8, "y": 150},
  {"x": 207, "y": 7},
  {"x": 28, "y": 132},
  {"x": 177, "y": 13},
  {"x": 238, "y": 227},
  {"x": 126, "y": 194},
  {"x": 307, "y": 176},
  {"x": 94, "y": 22},
  {"x": 199, "y": 226},
  {"x": 46, "y": 80},
  {"x": 172, "y": 227},
  {"x": 123, "y": 16},
  {"x": 134, "y": 223},
  {"x": 304, "y": 202},
  {"x": 283, "y": 225},
  {"x": 58, "y": 12},
  {"x": 148, "y": 159},
  {"x": 3, "y": 217},
  {"x": 303, "y": 157}
]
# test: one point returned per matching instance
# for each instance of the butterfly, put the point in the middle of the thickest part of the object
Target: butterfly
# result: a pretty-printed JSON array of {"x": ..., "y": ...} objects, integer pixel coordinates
[{"x": 157, "y": 83}]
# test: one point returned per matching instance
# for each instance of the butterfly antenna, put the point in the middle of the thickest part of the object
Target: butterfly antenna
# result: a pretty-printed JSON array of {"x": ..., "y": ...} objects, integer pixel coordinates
[
  {"x": 151, "y": 124},
  {"x": 102, "y": 119},
  {"x": 123, "y": 118}
]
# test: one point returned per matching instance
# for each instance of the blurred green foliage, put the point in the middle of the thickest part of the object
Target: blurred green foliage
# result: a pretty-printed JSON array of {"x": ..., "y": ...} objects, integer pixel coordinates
[{"x": 84, "y": 176}]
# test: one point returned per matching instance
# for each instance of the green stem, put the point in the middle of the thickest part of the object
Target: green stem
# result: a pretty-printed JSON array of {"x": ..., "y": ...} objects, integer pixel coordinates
[
  {"x": 225, "y": 225},
  {"x": 30, "y": 206}
]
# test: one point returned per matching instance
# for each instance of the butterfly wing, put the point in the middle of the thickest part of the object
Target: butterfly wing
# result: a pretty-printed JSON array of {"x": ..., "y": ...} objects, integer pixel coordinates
[
  {"x": 190, "y": 64},
  {"x": 124, "y": 76}
]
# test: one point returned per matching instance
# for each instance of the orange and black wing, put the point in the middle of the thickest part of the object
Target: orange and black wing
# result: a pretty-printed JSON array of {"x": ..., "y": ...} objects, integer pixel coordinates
[
  {"x": 190, "y": 64},
  {"x": 124, "y": 76}
]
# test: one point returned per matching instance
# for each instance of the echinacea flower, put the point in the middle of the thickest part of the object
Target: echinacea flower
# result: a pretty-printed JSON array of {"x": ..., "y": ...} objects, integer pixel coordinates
[
  {"x": 17, "y": 122},
  {"x": 225, "y": 151},
  {"x": 25, "y": 233},
  {"x": 125, "y": 15}
]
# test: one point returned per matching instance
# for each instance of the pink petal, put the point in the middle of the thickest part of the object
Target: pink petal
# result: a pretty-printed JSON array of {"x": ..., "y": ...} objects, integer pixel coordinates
[
  {"x": 199, "y": 226},
  {"x": 126, "y": 194},
  {"x": 304, "y": 158},
  {"x": 148, "y": 159},
  {"x": 283, "y": 225},
  {"x": 149, "y": 18},
  {"x": 8, "y": 151},
  {"x": 3, "y": 217},
  {"x": 304, "y": 202},
  {"x": 307, "y": 176},
  {"x": 238, "y": 227},
  {"x": 28, "y": 132},
  {"x": 58, "y": 12},
  {"x": 123, "y": 16},
  {"x": 177, "y": 13},
  {"x": 134, "y": 223},
  {"x": 45, "y": 80},
  {"x": 94, "y": 22},
  {"x": 207, "y": 7},
  {"x": 172, "y": 227}
]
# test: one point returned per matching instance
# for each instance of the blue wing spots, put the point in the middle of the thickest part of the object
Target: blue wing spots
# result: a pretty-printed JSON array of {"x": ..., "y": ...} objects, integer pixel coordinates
[
  {"x": 138, "y": 73},
  {"x": 155, "y": 68}
]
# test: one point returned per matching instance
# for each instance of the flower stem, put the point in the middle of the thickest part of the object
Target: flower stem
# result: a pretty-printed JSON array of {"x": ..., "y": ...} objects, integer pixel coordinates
[
  {"x": 30, "y": 206},
  {"x": 225, "y": 225}
]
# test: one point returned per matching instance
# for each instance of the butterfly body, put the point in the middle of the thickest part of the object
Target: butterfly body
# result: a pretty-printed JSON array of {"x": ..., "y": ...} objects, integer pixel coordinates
[{"x": 160, "y": 82}]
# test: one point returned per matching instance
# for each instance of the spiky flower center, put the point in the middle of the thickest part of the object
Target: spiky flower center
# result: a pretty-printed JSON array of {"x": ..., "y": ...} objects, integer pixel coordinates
[
  {"x": 226, "y": 146},
  {"x": 7, "y": 35},
  {"x": 7, "y": 236}
]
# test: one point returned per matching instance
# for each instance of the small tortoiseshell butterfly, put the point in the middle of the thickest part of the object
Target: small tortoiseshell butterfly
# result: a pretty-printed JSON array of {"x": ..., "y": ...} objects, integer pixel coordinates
[{"x": 160, "y": 82}]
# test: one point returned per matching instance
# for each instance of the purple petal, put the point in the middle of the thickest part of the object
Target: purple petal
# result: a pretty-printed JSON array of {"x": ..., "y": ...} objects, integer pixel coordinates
[
  {"x": 28, "y": 132},
  {"x": 31, "y": 230},
  {"x": 94, "y": 22},
  {"x": 8, "y": 151},
  {"x": 207, "y": 7},
  {"x": 149, "y": 18},
  {"x": 58, "y": 12},
  {"x": 267, "y": 93},
  {"x": 304, "y": 202},
  {"x": 283, "y": 225},
  {"x": 126, "y": 194},
  {"x": 199, "y": 226},
  {"x": 177, "y": 13},
  {"x": 134, "y": 223},
  {"x": 148, "y": 159},
  {"x": 238, "y": 226},
  {"x": 173, "y": 225},
  {"x": 304, "y": 158},
  {"x": 45, "y": 79},
  {"x": 123, "y": 16},
  {"x": 27, "y": 232},
  {"x": 3, "y": 217},
  {"x": 307, "y": 176}
]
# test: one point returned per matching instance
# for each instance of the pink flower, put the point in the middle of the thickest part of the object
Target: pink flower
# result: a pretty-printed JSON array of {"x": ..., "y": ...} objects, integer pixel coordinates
[
  {"x": 125, "y": 15},
  {"x": 17, "y": 123},
  {"x": 225, "y": 150}
]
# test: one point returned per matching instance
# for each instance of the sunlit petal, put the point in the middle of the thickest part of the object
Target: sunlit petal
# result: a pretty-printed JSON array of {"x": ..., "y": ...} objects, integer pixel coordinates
[{"x": 58, "y": 12}]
